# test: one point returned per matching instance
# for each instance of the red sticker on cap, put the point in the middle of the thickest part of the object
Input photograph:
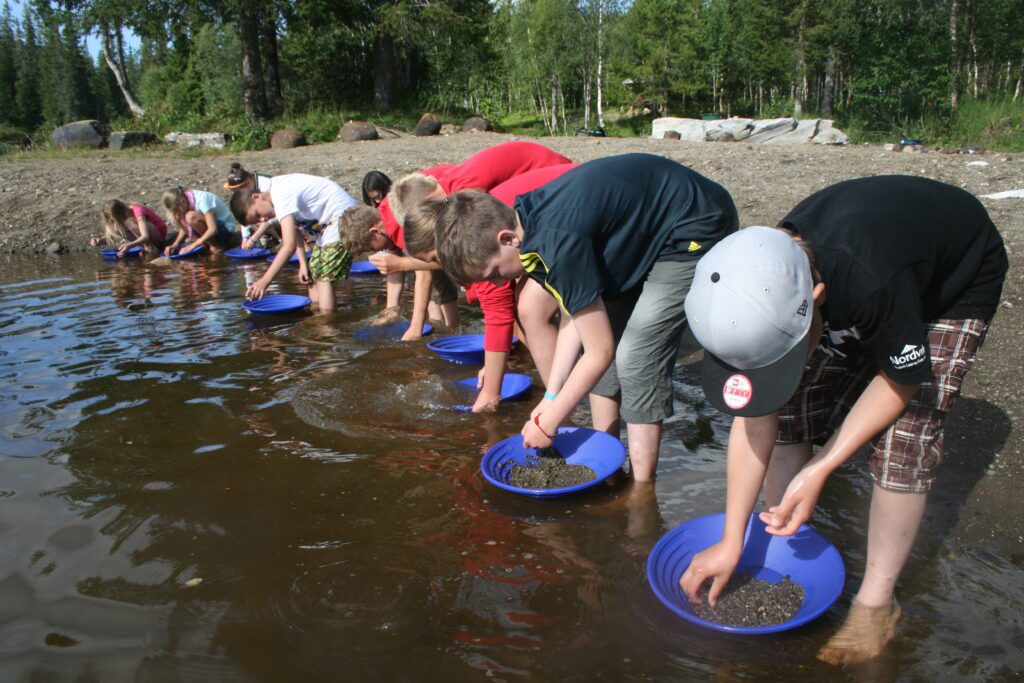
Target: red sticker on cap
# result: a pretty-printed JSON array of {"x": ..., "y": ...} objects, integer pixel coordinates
[{"x": 737, "y": 392}]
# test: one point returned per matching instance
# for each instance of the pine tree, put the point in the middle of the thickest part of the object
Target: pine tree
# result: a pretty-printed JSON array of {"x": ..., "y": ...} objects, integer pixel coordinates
[
  {"x": 29, "y": 102},
  {"x": 8, "y": 69}
]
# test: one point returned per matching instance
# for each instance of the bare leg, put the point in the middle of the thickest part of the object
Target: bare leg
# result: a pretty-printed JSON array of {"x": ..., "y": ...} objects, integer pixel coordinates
[
  {"x": 396, "y": 281},
  {"x": 325, "y": 296},
  {"x": 644, "y": 444},
  {"x": 434, "y": 311},
  {"x": 871, "y": 622},
  {"x": 605, "y": 411},
  {"x": 786, "y": 462},
  {"x": 450, "y": 313}
]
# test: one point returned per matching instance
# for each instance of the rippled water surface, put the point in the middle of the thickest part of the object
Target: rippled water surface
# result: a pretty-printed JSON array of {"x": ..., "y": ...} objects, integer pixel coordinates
[{"x": 189, "y": 493}]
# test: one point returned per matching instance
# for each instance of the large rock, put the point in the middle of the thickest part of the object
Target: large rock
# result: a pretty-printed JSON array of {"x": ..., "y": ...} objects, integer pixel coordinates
[
  {"x": 476, "y": 124},
  {"x": 187, "y": 140},
  {"x": 801, "y": 134},
  {"x": 287, "y": 138},
  {"x": 427, "y": 125},
  {"x": 728, "y": 130},
  {"x": 766, "y": 129},
  {"x": 356, "y": 131},
  {"x": 87, "y": 133},
  {"x": 688, "y": 129},
  {"x": 124, "y": 139},
  {"x": 827, "y": 135}
]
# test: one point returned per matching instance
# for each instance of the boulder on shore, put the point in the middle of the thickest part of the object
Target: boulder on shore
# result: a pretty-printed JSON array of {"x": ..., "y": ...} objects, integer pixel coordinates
[
  {"x": 427, "y": 125},
  {"x": 287, "y": 138},
  {"x": 781, "y": 131},
  {"x": 86, "y": 133},
  {"x": 476, "y": 124},
  {"x": 187, "y": 140},
  {"x": 357, "y": 131}
]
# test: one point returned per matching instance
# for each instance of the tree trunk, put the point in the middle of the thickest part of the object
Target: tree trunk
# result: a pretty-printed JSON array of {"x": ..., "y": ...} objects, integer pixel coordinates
[
  {"x": 254, "y": 96},
  {"x": 954, "y": 56},
  {"x": 554, "y": 105},
  {"x": 383, "y": 72},
  {"x": 829, "y": 84},
  {"x": 271, "y": 68},
  {"x": 600, "y": 63},
  {"x": 586, "y": 99},
  {"x": 1020, "y": 82},
  {"x": 118, "y": 70}
]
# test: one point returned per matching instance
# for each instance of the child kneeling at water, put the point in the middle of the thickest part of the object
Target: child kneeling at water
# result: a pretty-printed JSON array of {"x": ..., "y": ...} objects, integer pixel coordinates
[
  {"x": 615, "y": 242},
  {"x": 131, "y": 225},
  {"x": 312, "y": 204},
  {"x": 218, "y": 225},
  {"x": 852, "y": 324}
]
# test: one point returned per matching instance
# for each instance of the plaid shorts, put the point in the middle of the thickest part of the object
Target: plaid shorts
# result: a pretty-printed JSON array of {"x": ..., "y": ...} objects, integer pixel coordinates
[
  {"x": 330, "y": 263},
  {"x": 903, "y": 457}
]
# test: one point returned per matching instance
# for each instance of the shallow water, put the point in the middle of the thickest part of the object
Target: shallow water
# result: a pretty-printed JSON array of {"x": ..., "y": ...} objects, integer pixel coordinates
[{"x": 152, "y": 434}]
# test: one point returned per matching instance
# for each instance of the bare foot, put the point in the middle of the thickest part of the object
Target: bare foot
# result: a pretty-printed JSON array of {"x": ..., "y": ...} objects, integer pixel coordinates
[{"x": 864, "y": 635}]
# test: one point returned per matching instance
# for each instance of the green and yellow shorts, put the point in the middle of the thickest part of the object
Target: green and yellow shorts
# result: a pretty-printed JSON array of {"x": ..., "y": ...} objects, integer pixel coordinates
[{"x": 330, "y": 262}]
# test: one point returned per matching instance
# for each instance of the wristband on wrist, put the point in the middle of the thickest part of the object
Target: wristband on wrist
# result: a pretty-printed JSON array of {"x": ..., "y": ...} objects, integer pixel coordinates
[
  {"x": 536, "y": 421},
  {"x": 549, "y": 396}
]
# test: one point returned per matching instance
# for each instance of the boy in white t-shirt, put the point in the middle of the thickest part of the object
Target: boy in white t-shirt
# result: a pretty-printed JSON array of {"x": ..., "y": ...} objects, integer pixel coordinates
[{"x": 301, "y": 202}]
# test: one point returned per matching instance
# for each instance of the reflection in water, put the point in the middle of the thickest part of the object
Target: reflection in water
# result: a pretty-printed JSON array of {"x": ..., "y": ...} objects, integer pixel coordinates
[{"x": 331, "y": 504}]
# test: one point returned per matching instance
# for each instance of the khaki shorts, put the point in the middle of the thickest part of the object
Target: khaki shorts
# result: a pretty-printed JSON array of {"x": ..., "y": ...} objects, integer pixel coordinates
[
  {"x": 442, "y": 289},
  {"x": 903, "y": 457}
]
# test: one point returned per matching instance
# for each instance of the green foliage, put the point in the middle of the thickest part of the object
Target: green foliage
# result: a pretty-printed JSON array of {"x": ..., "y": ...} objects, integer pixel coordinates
[{"x": 249, "y": 134}]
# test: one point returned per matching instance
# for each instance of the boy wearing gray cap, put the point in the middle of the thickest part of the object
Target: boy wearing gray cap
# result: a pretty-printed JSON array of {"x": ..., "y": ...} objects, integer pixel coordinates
[{"x": 853, "y": 323}]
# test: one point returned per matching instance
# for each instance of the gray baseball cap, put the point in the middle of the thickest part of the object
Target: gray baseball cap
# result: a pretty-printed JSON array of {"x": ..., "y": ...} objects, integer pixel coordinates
[{"x": 750, "y": 307}]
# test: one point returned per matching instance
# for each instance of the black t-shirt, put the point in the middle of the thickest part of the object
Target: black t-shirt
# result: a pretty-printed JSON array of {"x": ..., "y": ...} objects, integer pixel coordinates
[
  {"x": 598, "y": 229},
  {"x": 896, "y": 252}
]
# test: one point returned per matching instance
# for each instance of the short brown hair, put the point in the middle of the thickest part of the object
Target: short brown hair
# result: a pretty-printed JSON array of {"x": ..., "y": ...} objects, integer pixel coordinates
[
  {"x": 466, "y": 230},
  {"x": 241, "y": 201},
  {"x": 419, "y": 226},
  {"x": 354, "y": 227},
  {"x": 408, "y": 191}
]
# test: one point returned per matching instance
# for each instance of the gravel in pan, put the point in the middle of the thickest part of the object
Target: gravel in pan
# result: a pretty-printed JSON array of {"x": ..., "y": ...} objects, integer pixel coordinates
[
  {"x": 548, "y": 470},
  {"x": 747, "y": 601}
]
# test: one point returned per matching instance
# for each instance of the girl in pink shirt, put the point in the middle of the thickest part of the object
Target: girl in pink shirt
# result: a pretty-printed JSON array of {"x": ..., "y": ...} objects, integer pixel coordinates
[{"x": 131, "y": 225}]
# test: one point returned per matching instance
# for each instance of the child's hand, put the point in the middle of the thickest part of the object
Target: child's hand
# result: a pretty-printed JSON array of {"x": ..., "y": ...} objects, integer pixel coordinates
[
  {"x": 96, "y": 241},
  {"x": 248, "y": 244},
  {"x": 716, "y": 563},
  {"x": 412, "y": 334},
  {"x": 797, "y": 503},
  {"x": 187, "y": 248},
  {"x": 486, "y": 403},
  {"x": 386, "y": 262},
  {"x": 533, "y": 437},
  {"x": 304, "y": 274},
  {"x": 257, "y": 290},
  {"x": 168, "y": 250},
  {"x": 122, "y": 249}
]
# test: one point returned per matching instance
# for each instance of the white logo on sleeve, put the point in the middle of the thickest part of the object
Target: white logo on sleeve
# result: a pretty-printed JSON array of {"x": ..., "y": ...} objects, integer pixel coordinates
[{"x": 909, "y": 357}]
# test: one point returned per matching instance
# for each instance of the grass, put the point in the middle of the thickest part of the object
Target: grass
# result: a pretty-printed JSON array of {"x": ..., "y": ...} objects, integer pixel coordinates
[{"x": 996, "y": 125}]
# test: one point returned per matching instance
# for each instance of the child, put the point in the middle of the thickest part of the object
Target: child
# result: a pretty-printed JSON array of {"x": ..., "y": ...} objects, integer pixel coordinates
[
  {"x": 301, "y": 202},
  {"x": 376, "y": 186},
  {"x": 888, "y": 286},
  {"x": 241, "y": 179},
  {"x": 484, "y": 171},
  {"x": 498, "y": 302},
  {"x": 131, "y": 225},
  {"x": 615, "y": 242},
  {"x": 219, "y": 225}
]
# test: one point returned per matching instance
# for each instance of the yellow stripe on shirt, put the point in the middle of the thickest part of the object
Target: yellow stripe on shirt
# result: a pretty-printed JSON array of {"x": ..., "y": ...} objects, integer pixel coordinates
[{"x": 530, "y": 261}]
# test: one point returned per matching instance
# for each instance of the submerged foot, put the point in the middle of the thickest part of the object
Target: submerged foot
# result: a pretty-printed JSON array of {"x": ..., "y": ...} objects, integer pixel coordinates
[{"x": 864, "y": 635}]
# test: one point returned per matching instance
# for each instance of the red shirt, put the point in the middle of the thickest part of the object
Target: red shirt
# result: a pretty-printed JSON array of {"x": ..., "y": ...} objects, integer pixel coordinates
[
  {"x": 485, "y": 170},
  {"x": 498, "y": 302}
]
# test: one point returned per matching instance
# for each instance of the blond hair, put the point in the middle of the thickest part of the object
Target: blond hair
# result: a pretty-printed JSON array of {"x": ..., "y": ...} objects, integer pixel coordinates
[
  {"x": 172, "y": 199},
  {"x": 354, "y": 227},
  {"x": 466, "y": 231},
  {"x": 408, "y": 191},
  {"x": 116, "y": 214},
  {"x": 419, "y": 226}
]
